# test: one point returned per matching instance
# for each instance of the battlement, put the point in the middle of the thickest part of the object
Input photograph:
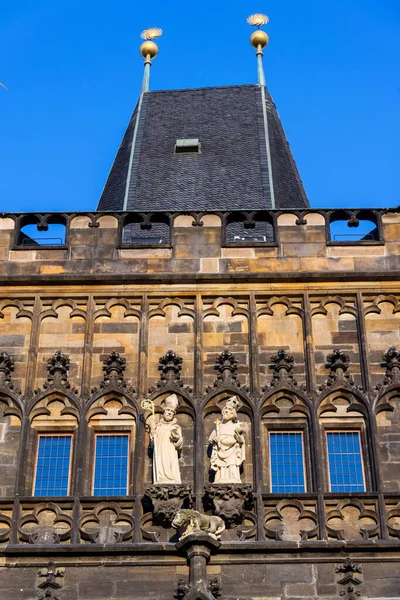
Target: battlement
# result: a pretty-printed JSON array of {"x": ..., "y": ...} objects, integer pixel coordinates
[{"x": 285, "y": 244}]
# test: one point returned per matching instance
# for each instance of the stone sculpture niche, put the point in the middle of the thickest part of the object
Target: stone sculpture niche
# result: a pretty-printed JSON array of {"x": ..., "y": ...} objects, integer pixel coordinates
[
  {"x": 227, "y": 445},
  {"x": 166, "y": 442}
]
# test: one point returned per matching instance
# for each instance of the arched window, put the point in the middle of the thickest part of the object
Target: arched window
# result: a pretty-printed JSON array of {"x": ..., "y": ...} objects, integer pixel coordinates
[
  {"x": 286, "y": 445},
  {"x": 249, "y": 229},
  {"x": 52, "y": 444},
  {"x": 34, "y": 231},
  {"x": 146, "y": 230},
  {"x": 344, "y": 443},
  {"x": 112, "y": 437},
  {"x": 349, "y": 227}
]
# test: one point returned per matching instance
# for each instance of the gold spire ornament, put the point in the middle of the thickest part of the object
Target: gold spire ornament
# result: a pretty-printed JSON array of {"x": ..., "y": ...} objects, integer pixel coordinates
[
  {"x": 259, "y": 40},
  {"x": 149, "y": 50},
  {"x": 151, "y": 34},
  {"x": 258, "y": 20}
]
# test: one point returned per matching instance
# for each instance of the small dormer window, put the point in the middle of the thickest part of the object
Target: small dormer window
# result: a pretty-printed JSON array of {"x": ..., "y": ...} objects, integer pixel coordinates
[{"x": 188, "y": 146}]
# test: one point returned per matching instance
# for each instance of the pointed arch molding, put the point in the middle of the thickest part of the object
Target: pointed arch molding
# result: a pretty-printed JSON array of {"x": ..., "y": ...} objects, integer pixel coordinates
[
  {"x": 105, "y": 311},
  {"x": 52, "y": 312},
  {"x": 357, "y": 402},
  {"x": 344, "y": 307},
  {"x": 268, "y": 402},
  {"x": 22, "y": 311},
  {"x": 374, "y": 306},
  {"x": 14, "y": 406},
  {"x": 39, "y": 405},
  {"x": 237, "y": 309},
  {"x": 184, "y": 310},
  {"x": 96, "y": 406},
  {"x": 290, "y": 308}
]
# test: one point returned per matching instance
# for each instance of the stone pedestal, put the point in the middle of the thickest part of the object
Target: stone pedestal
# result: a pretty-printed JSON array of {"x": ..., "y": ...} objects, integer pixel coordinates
[{"x": 198, "y": 548}]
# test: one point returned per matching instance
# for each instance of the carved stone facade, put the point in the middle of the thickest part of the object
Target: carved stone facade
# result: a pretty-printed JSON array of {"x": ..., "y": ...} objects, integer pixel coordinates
[{"x": 305, "y": 332}]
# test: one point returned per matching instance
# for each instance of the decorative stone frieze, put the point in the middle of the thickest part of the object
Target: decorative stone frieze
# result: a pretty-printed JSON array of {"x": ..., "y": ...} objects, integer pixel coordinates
[
  {"x": 46, "y": 525},
  {"x": 107, "y": 524},
  {"x": 352, "y": 519},
  {"x": 290, "y": 520}
]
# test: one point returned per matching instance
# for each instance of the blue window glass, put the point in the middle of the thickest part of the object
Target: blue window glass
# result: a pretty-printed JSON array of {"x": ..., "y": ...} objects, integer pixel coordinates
[
  {"x": 111, "y": 465},
  {"x": 286, "y": 462},
  {"x": 53, "y": 465},
  {"x": 345, "y": 461}
]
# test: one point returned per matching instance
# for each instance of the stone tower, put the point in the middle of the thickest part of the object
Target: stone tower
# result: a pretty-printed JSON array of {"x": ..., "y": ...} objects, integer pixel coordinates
[{"x": 200, "y": 381}]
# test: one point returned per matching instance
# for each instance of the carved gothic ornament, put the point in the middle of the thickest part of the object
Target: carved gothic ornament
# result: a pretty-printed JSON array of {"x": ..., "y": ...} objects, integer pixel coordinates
[
  {"x": 52, "y": 581},
  {"x": 46, "y": 525},
  {"x": 351, "y": 520},
  {"x": 166, "y": 500},
  {"x": 391, "y": 364},
  {"x": 58, "y": 366},
  {"x": 187, "y": 521},
  {"x": 113, "y": 367},
  {"x": 291, "y": 521},
  {"x": 226, "y": 366},
  {"x": 282, "y": 365},
  {"x": 338, "y": 362},
  {"x": 7, "y": 366},
  {"x": 107, "y": 524},
  {"x": 230, "y": 502},
  {"x": 349, "y": 579},
  {"x": 170, "y": 367},
  {"x": 184, "y": 589}
]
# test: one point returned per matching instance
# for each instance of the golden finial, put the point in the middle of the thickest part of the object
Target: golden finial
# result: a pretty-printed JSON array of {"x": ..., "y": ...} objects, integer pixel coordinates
[
  {"x": 259, "y": 39},
  {"x": 149, "y": 48}
]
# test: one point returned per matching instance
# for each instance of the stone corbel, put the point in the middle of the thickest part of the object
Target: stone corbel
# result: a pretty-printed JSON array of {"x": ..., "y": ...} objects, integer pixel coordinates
[
  {"x": 198, "y": 547},
  {"x": 230, "y": 502}
]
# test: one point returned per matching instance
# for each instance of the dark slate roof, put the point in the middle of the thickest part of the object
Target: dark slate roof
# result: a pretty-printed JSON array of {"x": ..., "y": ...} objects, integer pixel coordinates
[{"x": 230, "y": 173}]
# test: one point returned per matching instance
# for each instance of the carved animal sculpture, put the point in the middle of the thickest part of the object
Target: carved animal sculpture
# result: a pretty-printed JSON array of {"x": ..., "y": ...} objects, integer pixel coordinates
[{"x": 191, "y": 521}]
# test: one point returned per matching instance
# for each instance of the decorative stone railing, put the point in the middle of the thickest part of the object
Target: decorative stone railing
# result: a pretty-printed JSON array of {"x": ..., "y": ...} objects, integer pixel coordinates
[
  {"x": 107, "y": 246},
  {"x": 303, "y": 521}
]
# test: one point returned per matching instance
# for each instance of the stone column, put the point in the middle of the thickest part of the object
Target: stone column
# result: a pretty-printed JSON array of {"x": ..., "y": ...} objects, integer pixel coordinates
[{"x": 198, "y": 548}]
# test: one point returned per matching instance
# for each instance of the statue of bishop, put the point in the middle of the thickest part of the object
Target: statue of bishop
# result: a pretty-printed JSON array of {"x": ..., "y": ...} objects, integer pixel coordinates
[
  {"x": 228, "y": 445},
  {"x": 166, "y": 436}
]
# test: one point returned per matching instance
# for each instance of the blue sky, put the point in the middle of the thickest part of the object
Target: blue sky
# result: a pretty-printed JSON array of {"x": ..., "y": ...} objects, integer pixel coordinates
[{"x": 74, "y": 75}]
